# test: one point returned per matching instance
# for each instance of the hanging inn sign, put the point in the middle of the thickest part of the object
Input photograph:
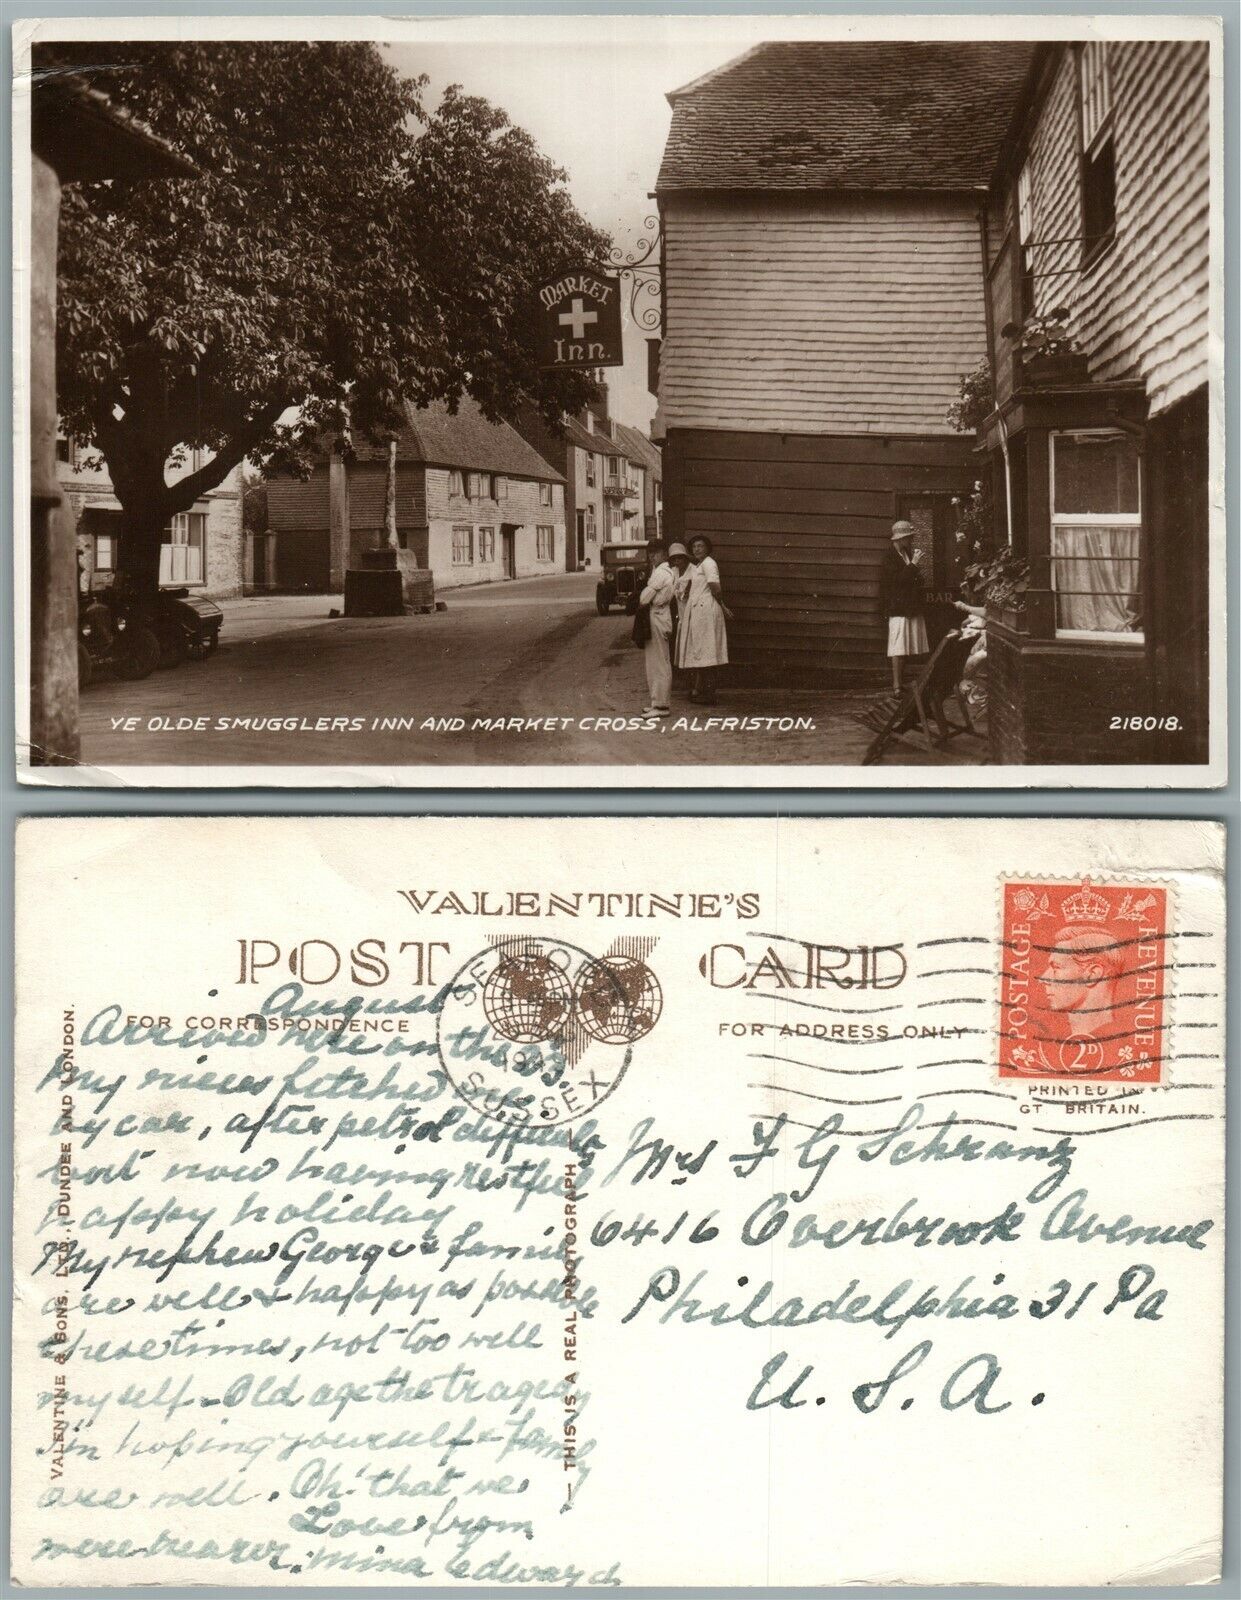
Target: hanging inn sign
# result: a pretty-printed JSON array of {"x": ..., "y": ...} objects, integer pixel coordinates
[{"x": 579, "y": 319}]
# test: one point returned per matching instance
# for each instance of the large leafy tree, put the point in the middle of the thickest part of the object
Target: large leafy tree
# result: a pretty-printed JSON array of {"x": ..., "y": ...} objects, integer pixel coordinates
[{"x": 343, "y": 247}]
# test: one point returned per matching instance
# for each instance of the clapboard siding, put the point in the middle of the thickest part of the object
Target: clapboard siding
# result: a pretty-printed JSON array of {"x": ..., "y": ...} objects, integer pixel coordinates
[
  {"x": 799, "y": 524},
  {"x": 1141, "y": 311},
  {"x": 853, "y": 315},
  {"x": 297, "y": 506}
]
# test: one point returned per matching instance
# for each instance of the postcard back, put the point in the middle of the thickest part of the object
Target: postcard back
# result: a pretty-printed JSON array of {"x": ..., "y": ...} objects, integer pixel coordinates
[{"x": 597, "y": 1202}]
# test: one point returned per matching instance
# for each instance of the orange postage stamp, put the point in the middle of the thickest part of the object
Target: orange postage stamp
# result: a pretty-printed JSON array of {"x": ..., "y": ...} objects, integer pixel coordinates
[{"x": 1082, "y": 980}]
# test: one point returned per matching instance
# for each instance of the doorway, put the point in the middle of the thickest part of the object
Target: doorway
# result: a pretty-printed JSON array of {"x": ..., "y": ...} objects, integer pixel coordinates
[
  {"x": 508, "y": 549},
  {"x": 581, "y": 541}
]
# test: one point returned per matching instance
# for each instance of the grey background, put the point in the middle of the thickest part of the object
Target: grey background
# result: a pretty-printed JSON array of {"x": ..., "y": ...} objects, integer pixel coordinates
[{"x": 1222, "y": 805}]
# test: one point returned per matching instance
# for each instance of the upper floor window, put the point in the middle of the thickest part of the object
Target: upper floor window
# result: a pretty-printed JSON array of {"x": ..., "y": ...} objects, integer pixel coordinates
[
  {"x": 500, "y": 486},
  {"x": 482, "y": 486},
  {"x": 66, "y": 449},
  {"x": 1096, "y": 532},
  {"x": 1098, "y": 150},
  {"x": 591, "y": 476},
  {"x": 456, "y": 481},
  {"x": 613, "y": 469},
  {"x": 1025, "y": 239},
  {"x": 545, "y": 494}
]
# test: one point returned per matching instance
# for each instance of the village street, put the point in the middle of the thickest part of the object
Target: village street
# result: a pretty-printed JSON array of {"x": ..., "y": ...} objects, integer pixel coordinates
[{"x": 531, "y": 649}]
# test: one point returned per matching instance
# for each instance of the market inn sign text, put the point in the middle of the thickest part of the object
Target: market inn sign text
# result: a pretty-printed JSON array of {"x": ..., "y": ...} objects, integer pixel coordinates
[{"x": 579, "y": 320}]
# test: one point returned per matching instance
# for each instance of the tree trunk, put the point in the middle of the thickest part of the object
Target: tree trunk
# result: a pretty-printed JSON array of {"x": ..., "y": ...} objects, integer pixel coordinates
[
  {"x": 137, "y": 472},
  {"x": 137, "y": 564}
]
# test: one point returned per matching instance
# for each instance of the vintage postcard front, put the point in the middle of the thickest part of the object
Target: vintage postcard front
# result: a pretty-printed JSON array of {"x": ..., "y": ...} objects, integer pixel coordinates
[
  {"x": 596, "y": 1202},
  {"x": 748, "y": 400}
]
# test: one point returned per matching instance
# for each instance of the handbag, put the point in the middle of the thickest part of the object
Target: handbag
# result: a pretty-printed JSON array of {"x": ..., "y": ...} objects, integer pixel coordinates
[{"x": 642, "y": 626}]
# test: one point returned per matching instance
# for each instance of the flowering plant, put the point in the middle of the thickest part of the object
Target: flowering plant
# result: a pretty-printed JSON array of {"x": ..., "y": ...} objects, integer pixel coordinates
[
  {"x": 976, "y": 400},
  {"x": 1043, "y": 334},
  {"x": 996, "y": 575}
]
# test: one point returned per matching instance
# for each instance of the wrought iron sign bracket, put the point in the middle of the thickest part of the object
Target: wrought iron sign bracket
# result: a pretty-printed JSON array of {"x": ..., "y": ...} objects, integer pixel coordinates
[{"x": 641, "y": 270}]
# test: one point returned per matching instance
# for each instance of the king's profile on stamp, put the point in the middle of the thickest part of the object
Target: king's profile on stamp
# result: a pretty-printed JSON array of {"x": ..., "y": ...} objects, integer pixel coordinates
[{"x": 1082, "y": 997}]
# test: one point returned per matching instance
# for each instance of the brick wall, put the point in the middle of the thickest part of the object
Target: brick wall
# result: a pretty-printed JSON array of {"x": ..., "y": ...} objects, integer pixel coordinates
[{"x": 1050, "y": 703}]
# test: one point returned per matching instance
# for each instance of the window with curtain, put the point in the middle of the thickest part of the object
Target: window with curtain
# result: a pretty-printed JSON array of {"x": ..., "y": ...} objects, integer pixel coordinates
[
  {"x": 456, "y": 483},
  {"x": 546, "y": 543},
  {"x": 462, "y": 545},
  {"x": 1096, "y": 534},
  {"x": 486, "y": 544}
]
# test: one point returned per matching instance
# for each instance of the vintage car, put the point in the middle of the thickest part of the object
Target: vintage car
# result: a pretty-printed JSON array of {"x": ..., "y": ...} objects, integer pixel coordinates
[
  {"x": 186, "y": 625},
  {"x": 622, "y": 578},
  {"x": 113, "y": 636}
]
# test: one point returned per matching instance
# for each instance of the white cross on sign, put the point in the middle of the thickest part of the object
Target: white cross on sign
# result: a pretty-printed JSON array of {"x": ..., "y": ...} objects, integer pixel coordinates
[{"x": 578, "y": 319}]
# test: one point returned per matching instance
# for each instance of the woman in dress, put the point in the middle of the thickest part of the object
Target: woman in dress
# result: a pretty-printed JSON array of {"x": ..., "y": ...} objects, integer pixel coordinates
[
  {"x": 702, "y": 638},
  {"x": 902, "y": 596}
]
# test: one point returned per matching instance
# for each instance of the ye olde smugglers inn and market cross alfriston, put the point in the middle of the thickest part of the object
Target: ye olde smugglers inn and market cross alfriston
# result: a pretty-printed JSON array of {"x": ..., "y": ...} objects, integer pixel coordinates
[{"x": 846, "y": 232}]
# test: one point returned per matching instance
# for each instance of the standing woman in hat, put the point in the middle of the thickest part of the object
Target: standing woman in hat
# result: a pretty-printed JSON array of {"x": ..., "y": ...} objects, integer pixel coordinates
[
  {"x": 902, "y": 596},
  {"x": 702, "y": 637}
]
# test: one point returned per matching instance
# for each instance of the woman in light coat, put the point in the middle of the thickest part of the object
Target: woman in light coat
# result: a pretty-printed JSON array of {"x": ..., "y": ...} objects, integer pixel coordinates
[{"x": 702, "y": 637}]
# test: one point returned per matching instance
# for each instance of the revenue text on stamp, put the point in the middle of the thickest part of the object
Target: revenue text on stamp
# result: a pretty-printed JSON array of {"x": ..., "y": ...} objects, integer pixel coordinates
[{"x": 1082, "y": 980}]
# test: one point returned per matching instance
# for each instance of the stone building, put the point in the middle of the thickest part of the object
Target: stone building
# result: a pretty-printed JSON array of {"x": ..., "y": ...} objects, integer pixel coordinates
[
  {"x": 601, "y": 503},
  {"x": 474, "y": 503},
  {"x": 203, "y": 548}
]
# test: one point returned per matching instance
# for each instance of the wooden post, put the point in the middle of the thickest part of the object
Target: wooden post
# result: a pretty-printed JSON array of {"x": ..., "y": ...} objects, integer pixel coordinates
[{"x": 53, "y": 540}]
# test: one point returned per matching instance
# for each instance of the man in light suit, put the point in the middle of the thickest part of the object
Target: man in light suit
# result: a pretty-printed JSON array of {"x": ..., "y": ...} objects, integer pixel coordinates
[{"x": 658, "y": 594}]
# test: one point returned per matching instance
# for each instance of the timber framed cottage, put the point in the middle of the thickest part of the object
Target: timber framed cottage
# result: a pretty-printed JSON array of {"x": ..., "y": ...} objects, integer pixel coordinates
[
  {"x": 822, "y": 209},
  {"x": 1100, "y": 233}
]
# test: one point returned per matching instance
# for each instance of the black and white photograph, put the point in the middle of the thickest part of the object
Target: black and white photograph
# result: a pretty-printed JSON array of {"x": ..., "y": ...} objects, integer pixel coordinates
[{"x": 620, "y": 401}]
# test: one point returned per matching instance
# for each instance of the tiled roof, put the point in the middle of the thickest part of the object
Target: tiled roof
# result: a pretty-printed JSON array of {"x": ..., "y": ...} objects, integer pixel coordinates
[
  {"x": 466, "y": 440},
  {"x": 883, "y": 114},
  {"x": 640, "y": 449},
  {"x": 577, "y": 434}
]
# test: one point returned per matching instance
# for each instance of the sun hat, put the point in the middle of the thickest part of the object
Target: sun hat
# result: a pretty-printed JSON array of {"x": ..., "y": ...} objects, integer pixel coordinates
[
  {"x": 678, "y": 549},
  {"x": 902, "y": 530}
]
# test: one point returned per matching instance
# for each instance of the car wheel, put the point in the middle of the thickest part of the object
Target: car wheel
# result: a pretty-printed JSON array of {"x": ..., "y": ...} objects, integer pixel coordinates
[
  {"x": 174, "y": 648},
  {"x": 138, "y": 654},
  {"x": 86, "y": 668}
]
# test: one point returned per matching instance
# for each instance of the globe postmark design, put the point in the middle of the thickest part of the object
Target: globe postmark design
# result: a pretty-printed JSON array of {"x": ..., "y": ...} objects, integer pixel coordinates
[
  {"x": 536, "y": 1031},
  {"x": 618, "y": 999},
  {"x": 527, "y": 999}
]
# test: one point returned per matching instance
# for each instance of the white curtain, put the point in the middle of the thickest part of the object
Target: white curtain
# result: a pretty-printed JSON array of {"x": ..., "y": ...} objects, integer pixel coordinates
[{"x": 1097, "y": 579}]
